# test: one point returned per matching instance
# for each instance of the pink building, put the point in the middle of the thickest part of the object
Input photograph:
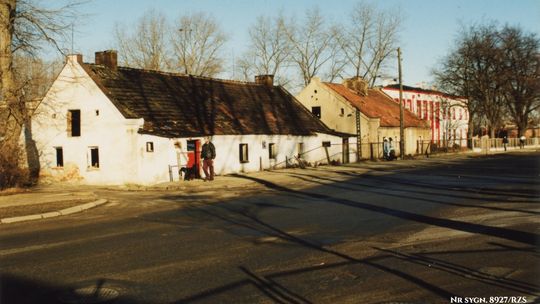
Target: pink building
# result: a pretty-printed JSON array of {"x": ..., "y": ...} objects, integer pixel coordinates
[{"x": 447, "y": 115}]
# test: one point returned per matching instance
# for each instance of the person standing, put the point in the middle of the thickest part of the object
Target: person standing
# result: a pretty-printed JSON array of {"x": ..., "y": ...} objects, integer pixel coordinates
[
  {"x": 386, "y": 148},
  {"x": 208, "y": 153},
  {"x": 505, "y": 142},
  {"x": 522, "y": 142}
]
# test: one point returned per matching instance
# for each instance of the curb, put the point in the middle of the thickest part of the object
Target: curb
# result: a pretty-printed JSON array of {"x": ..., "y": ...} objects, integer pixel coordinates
[{"x": 66, "y": 211}]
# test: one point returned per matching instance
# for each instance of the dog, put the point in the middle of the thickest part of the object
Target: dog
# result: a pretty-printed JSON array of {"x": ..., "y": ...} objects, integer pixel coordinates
[{"x": 189, "y": 173}]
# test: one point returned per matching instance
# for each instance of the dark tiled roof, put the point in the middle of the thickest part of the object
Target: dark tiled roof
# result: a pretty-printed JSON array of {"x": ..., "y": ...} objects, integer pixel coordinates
[
  {"x": 174, "y": 105},
  {"x": 378, "y": 105}
]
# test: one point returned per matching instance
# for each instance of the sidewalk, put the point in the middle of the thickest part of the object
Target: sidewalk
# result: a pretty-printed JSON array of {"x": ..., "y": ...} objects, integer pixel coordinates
[
  {"x": 46, "y": 201},
  {"x": 61, "y": 199}
]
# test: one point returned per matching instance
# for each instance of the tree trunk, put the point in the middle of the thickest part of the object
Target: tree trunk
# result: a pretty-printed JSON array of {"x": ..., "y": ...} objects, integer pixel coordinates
[
  {"x": 470, "y": 132},
  {"x": 10, "y": 111},
  {"x": 522, "y": 128},
  {"x": 491, "y": 131}
]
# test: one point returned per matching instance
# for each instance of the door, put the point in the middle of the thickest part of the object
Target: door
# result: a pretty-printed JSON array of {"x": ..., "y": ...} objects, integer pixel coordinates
[
  {"x": 345, "y": 151},
  {"x": 194, "y": 155}
]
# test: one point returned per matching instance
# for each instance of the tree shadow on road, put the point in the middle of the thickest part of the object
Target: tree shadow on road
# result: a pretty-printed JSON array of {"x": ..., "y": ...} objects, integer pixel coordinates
[
  {"x": 500, "y": 232},
  {"x": 268, "y": 284},
  {"x": 375, "y": 185}
]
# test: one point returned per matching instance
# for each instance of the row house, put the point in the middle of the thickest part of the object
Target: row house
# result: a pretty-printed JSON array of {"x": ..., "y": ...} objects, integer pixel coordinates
[
  {"x": 447, "y": 115},
  {"x": 101, "y": 123},
  {"x": 337, "y": 104}
]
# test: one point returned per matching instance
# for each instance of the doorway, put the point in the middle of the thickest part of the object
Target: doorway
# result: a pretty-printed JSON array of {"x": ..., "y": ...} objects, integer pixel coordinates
[{"x": 345, "y": 151}]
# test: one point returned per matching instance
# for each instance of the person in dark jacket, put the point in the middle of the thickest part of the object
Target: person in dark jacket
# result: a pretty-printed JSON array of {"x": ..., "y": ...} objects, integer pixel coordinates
[
  {"x": 505, "y": 142},
  {"x": 208, "y": 153}
]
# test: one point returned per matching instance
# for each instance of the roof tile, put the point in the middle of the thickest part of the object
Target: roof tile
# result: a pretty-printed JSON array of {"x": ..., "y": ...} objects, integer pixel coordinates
[
  {"x": 378, "y": 105},
  {"x": 175, "y": 105}
]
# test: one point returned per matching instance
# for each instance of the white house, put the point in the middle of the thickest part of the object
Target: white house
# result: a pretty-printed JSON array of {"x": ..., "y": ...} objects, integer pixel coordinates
[
  {"x": 104, "y": 124},
  {"x": 337, "y": 105},
  {"x": 447, "y": 115}
]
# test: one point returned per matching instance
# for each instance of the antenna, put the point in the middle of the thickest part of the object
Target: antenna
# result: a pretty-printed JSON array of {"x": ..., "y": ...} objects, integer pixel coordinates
[{"x": 72, "y": 51}]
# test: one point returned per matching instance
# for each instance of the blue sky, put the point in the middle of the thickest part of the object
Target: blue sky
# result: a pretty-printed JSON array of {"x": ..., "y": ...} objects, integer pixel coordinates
[{"x": 429, "y": 29}]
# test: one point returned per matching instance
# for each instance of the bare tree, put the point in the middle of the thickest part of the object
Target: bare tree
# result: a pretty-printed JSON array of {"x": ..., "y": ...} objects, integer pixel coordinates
[
  {"x": 245, "y": 67},
  {"x": 25, "y": 26},
  {"x": 310, "y": 44},
  {"x": 368, "y": 40},
  {"x": 269, "y": 48},
  {"x": 384, "y": 43},
  {"x": 197, "y": 41},
  {"x": 33, "y": 77},
  {"x": 472, "y": 70},
  {"x": 498, "y": 72},
  {"x": 354, "y": 38},
  {"x": 146, "y": 46},
  {"x": 521, "y": 59}
]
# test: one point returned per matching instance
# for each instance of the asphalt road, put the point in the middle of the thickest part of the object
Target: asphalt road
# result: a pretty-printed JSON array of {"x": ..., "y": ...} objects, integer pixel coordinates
[{"x": 431, "y": 231}]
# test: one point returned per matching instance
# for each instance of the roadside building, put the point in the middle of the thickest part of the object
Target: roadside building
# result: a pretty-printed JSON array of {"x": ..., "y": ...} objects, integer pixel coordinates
[
  {"x": 336, "y": 105},
  {"x": 104, "y": 124},
  {"x": 447, "y": 115}
]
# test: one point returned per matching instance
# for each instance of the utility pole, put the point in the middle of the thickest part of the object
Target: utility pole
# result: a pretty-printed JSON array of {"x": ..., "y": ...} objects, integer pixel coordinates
[{"x": 401, "y": 131}]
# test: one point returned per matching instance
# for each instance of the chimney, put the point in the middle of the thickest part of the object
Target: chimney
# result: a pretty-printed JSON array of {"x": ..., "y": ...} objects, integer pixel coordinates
[
  {"x": 74, "y": 58},
  {"x": 267, "y": 80},
  {"x": 357, "y": 84},
  {"x": 107, "y": 58}
]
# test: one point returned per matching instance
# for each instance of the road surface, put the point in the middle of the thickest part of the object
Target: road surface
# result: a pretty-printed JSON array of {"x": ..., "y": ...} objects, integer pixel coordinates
[{"x": 431, "y": 231}]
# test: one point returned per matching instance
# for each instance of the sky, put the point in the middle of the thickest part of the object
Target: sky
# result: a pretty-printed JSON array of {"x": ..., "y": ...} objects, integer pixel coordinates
[{"x": 430, "y": 26}]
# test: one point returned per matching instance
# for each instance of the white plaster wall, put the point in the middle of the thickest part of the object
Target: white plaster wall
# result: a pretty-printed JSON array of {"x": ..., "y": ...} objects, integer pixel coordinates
[
  {"x": 228, "y": 151},
  {"x": 114, "y": 135},
  {"x": 154, "y": 166}
]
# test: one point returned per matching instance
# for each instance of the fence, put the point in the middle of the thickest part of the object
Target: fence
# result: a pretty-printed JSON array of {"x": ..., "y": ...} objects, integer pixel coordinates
[{"x": 427, "y": 147}]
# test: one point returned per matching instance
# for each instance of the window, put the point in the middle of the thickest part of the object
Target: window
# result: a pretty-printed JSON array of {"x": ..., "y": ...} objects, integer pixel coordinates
[
  {"x": 59, "y": 156},
  {"x": 97, "y": 112},
  {"x": 272, "y": 151},
  {"x": 453, "y": 113},
  {"x": 93, "y": 157},
  {"x": 437, "y": 113},
  {"x": 316, "y": 111},
  {"x": 460, "y": 114},
  {"x": 342, "y": 112},
  {"x": 419, "y": 108},
  {"x": 244, "y": 153},
  {"x": 149, "y": 146},
  {"x": 74, "y": 123},
  {"x": 300, "y": 149}
]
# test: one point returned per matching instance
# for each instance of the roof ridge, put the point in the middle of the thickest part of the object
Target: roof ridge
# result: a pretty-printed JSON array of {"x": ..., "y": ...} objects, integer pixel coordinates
[{"x": 177, "y": 74}]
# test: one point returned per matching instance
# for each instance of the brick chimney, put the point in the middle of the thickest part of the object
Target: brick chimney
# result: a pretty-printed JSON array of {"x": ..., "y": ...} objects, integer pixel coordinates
[
  {"x": 107, "y": 58},
  {"x": 74, "y": 58},
  {"x": 267, "y": 80},
  {"x": 357, "y": 84}
]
